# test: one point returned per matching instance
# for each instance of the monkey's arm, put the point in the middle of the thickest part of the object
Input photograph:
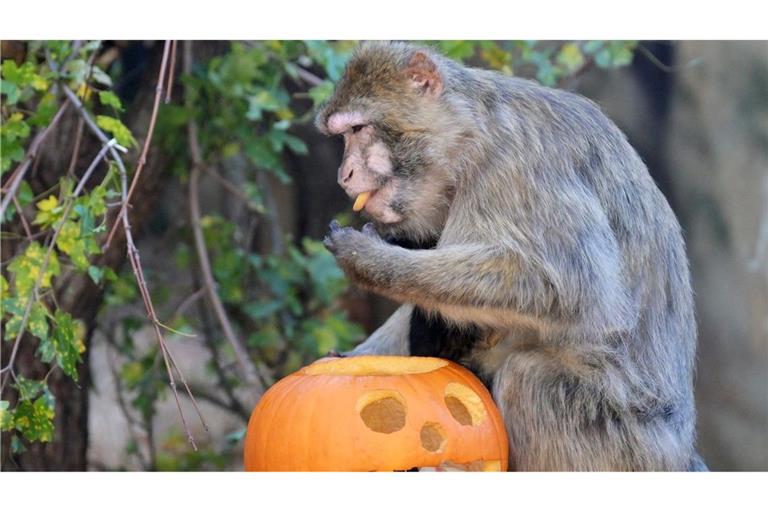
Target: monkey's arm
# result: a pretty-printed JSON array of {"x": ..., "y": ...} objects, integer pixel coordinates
[{"x": 575, "y": 280}]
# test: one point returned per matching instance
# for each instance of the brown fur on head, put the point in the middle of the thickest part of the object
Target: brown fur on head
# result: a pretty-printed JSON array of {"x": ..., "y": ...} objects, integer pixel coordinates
[{"x": 399, "y": 136}]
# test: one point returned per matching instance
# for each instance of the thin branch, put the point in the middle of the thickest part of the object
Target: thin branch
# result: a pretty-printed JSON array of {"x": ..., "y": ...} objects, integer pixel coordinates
[
  {"x": 309, "y": 77},
  {"x": 186, "y": 303},
  {"x": 275, "y": 233},
  {"x": 21, "y": 170},
  {"x": 76, "y": 148},
  {"x": 230, "y": 187},
  {"x": 172, "y": 67},
  {"x": 248, "y": 368},
  {"x": 147, "y": 139},
  {"x": 648, "y": 54},
  {"x": 221, "y": 376},
  {"x": 23, "y": 218},
  {"x": 133, "y": 257},
  {"x": 135, "y": 260}
]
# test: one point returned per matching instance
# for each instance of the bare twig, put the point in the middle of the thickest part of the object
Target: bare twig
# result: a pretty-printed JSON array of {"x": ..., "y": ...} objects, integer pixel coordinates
[
  {"x": 133, "y": 257},
  {"x": 309, "y": 77},
  {"x": 147, "y": 139},
  {"x": 135, "y": 260},
  {"x": 275, "y": 233},
  {"x": 23, "y": 218},
  {"x": 208, "y": 334},
  {"x": 648, "y": 54},
  {"x": 18, "y": 174},
  {"x": 171, "y": 68},
  {"x": 186, "y": 303},
  {"x": 248, "y": 368},
  {"x": 76, "y": 148},
  {"x": 230, "y": 187}
]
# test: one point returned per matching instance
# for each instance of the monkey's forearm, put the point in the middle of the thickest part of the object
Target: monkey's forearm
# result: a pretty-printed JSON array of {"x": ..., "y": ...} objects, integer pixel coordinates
[{"x": 499, "y": 281}]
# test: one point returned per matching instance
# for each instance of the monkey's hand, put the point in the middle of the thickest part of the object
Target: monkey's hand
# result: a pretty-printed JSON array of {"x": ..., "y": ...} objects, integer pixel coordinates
[{"x": 354, "y": 250}]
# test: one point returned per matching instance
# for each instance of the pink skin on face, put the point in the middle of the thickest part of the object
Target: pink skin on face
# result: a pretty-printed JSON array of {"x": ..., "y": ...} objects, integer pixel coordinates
[
  {"x": 340, "y": 122},
  {"x": 366, "y": 165}
]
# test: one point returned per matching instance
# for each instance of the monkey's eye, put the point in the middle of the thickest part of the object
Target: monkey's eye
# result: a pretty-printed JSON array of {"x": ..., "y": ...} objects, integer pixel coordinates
[{"x": 357, "y": 128}]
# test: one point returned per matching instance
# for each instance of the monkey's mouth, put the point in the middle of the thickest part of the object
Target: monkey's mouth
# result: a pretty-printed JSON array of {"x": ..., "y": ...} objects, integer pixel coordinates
[
  {"x": 362, "y": 199},
  {"x": 377, "y": 203}
]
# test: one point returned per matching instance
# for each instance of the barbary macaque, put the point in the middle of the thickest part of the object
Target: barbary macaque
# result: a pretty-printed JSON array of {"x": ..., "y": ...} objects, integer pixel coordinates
[{"x": 526, "y": 240}]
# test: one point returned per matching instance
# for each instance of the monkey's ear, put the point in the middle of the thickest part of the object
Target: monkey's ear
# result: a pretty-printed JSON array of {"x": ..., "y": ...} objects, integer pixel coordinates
[{"x": 424, "y": 75}]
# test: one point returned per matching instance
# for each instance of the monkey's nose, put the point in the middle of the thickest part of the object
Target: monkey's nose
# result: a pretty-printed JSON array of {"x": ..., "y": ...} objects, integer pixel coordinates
[{"x": 348, "y": 177}]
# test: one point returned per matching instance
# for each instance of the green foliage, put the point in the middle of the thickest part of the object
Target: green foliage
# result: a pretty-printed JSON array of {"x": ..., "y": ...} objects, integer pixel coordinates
[
  {"x": 65, "y": 227},
  {"x": 548, "y": 62}
]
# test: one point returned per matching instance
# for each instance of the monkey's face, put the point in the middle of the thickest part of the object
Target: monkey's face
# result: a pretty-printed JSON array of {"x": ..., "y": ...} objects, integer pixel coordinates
[
  {"x": 387, "y": 108},
  {"x": 367, "y": 172}
]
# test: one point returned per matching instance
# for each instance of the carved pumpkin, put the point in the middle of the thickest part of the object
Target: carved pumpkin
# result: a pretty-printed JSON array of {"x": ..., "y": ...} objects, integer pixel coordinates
[{"x": 376, "y": 413}]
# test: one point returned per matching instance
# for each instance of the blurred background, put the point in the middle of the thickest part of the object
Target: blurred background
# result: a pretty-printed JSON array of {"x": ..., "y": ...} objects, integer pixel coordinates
[{"x": 235, "y": 194}]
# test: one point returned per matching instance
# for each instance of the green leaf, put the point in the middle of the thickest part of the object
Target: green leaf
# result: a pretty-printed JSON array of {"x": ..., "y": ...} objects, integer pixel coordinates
[
  {"x": 457, "y": 50},
  {"x": 46, "y": 109},
  {"x": 321, "y": 93},
  {"x": 14, "y": 131},
  {"x": 48, "y": 211},
  {"x": 591, "y": 47},
  {"x": 6, "y": 416},
  {"x": 11, "y": 91},
  {"x": 73, "y": 245},
  {"x": 25, "y": 194},
  {"x": 38, "y": 321},
  {"x": 117, "y": 129},
  {"x": 26, "y": 269},
  {"x": 100, "y": 76},
  {"x": 16, "y": 308},
  {"x": 16, "y": 445},
  {"x": 29, "y": 389},
  {"x": 570, "y": 57},
  {"x": 95, "y": 273},
  {"x": 35, "y": 419},
  {"x": 109, "y": 98},
  {"x": 62, "y": 346}
]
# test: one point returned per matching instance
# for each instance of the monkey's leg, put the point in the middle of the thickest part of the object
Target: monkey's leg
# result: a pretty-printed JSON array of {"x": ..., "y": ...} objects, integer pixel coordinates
[
  {"x": 389, "y": 339},
  {"x": 570, "y": 409}
]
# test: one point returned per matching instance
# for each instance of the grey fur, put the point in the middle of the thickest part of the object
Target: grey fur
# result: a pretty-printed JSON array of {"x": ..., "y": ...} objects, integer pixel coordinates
[{"x": 553, "y": 236}]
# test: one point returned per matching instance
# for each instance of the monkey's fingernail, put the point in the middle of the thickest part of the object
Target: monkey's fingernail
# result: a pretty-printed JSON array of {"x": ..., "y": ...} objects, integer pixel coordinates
[
  {"x": 334, "y": 225},
  {"x": 362, "y": 198}
]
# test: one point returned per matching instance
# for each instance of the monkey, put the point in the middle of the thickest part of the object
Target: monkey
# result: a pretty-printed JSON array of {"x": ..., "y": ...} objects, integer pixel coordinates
[{"x": 534, "y": 248}]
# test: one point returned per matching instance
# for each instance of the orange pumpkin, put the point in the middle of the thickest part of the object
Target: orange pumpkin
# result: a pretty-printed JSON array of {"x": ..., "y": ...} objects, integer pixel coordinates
[{"x": 376, "y": 413}]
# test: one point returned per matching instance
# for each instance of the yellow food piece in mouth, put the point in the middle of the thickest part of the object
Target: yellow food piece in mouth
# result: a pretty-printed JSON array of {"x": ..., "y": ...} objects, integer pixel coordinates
[{"x": 360, "y": 201}]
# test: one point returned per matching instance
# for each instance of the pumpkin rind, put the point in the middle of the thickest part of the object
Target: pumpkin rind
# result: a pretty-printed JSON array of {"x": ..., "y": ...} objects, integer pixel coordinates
[{"x": 314, "y": 421}]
